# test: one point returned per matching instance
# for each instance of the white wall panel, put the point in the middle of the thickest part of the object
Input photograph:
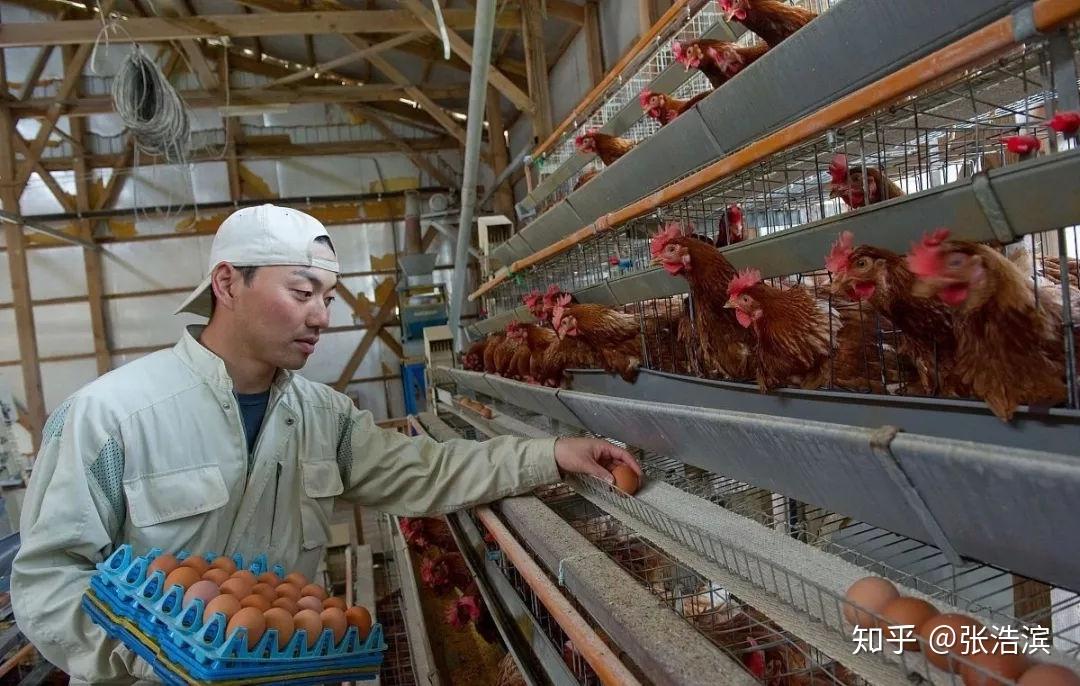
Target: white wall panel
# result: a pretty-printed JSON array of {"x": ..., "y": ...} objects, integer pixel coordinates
[
  {"x": 141, "y": 322},
  {"x": 156, "y": 264}
]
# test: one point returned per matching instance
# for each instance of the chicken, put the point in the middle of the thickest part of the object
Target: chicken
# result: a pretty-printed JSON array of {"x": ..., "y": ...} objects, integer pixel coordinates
[
  {"x": 540, "y": 304},
  {"x": 719, "y": 61},
  {"x": 444, "y": 572},
  {"x": 585, "y": 177},
  {"x": 725, "y": 347},
  {"x": 421, "y": 533},
  {"x": 665, "y": 108},
  {"x": 468, "y": 609},
  {"x": 612, "y": 336},
  {"x": 473, "y": 359},
  {"x": 1052, "y": 270},
  {"x": 801, "y": 341},
  {"x": 848, "y": 184},
  {"x": 527, "y": 361},
  {"x": 509, "y": 673},
  {"x": 608, "y": 148},
  {"x": 666, "y": 325},
  {"x": 734, "y": 230},
  {"x": 494, "y": 341},
  {"x": 1009, "y": 349},
  {"x": 771, "y": 20},
  {"x": 882, "y": 280}
]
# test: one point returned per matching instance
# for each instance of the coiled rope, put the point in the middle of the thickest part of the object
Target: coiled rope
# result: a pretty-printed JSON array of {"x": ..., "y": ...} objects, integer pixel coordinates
[{"x": 151, "y": 108}]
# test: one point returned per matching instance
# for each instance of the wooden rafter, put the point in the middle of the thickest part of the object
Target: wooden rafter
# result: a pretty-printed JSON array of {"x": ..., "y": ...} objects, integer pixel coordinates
[
  {"x": 500, "y": 154},
  {"x": 362, "y": 308},
  {"x": 151, "y": 29},
  {"x": 34, "y": 75},
  {"x": 594, "y": 47},
  {"x": 532, "y": 35},
  {"x": 384, "y": 314},
  {"x": 202, "y": 68},
  {"x": 346, "y": 59},
  {"x": 402, "y": 146},
  {"x": 463, "y": 50}
]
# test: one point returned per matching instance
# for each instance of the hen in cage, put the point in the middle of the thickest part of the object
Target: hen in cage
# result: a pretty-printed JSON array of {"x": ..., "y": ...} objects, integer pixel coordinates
[
  {"x": 494, "y": 341},
  {"x": 881, "y": 279},
  {"x": 527, "y": 362},
  {"x": 719, "y": 61},
  {"x": 857, "y": 190},
  {"x": 725, "y": 346},
  {"x": 1009, "y": 343},
  {"x": 607, "y": 147},
  {"x": 663, "y": 321},
  {"x": 771, "y": 20},
  {"x": 802, "y": 341},
  {"x": 505, "y": 349},
  {"x": 666, "y": 108},
  {"x": 607, "y": 337},
  {"x": 473, "y": 358},
  {"x": 585, "y": 177}
]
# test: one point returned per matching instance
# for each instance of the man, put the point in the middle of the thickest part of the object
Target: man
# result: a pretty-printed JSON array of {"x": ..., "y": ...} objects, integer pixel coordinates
[{"x": 216, "y": 445}]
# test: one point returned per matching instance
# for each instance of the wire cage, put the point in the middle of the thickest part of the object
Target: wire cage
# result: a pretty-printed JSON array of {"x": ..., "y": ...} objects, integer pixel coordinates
[{"x": 397, "y": 668}]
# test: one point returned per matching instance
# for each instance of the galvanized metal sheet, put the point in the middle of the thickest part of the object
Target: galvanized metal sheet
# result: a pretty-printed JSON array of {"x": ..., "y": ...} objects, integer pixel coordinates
[
  {"x": 655, "y": 283},
  {"x": 504, "y": 254},
  {"x": 557, "y": 223},
  {"x": 827, "y": 465},
  {"x": 477, "y": 381},
  {"x": 599, "y": 294},
  {"x": 538, "y": 399}
]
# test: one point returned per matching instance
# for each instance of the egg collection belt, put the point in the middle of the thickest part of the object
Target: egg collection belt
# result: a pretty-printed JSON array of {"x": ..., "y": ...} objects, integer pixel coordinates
[{"x": 135, "y": 608}]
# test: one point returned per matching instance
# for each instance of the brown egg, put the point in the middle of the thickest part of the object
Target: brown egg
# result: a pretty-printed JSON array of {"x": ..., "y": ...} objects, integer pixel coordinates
[
  {"x": 334, "y": 620},
  {"x": 296, "y": 578},
  {"x": 277, "y": 618},
  {"x": 335, "y": 602},
  {"x": 313, "y": 590},
  {"x": 246, "y": 576},
  {"x": 626, "y": 480},
  {"x": 309, "y": 621},
  {"x": 359, "y": 617},
  {"x": 196, "y": 562},
  {"x": 225, "y": 563},
  {"x": 1002, "y": 667},
  {"x": 287, "y": 604},
  {"x": 905, "y": 611},
  {"x": 288, "y": 590},
  {"x": 310, "y": 602},
  {"x": 1049, "y": 675},
  {"x": 205, "y": 589},
  {"x": 251, "y": 618},
  {"x": 183, "y": 576},
  {"x": 257, "y": 601},
  {"x": 265, "y": 590},
  {"x": 227, "y": 605},
  {"x": 218, "y": 576},
  {"x": 871, "y": 593},
  {"x": 166, "y": 562},
  {"x": 236, "y": 587},
  {"x": 956, "y": 624},
  {"x": 273, "y": 580}
]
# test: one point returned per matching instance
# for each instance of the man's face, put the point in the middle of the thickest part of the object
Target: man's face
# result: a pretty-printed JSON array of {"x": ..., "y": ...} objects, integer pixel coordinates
[{"x": 279, "y": 316}]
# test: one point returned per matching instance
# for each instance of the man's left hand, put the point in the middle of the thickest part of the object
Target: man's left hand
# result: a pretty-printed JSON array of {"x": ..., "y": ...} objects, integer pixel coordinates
[{"x": 592, "y": 456}]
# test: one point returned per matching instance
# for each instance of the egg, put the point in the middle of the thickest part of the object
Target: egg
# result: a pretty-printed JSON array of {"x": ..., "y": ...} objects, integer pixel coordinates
[
  {"x": 287, "y": 604},
  {"x": 1049, "y": 675},
  {"x": 335, "y": 602},
  {"x": 265, "y": 590},
  {"x": 273, "y": 580},
  {"x": 196, "y": 562},
  {"x": 218, "y": 576},
  {"x": 626, "y": 480},
  {"x": 288, "y": 590},
  {"x": 334, "y": 620},
  {"x": 359, "y": 617},
  {"x": 236, "y": 587},
  {"x": 257, "y": 601},
  {"x": 871, "y": 593},
  {"x": 282, "y": 620},
  {"x": 297, "y": 579},
  {"x": 252, "y": 619},
  {"x": 205, "y": 590},
  {"x": 313, "y": 590},
  {"x": 246, "y": 576},
  {"x": 310, "y": 602},
  {"x": 905, "y": 611},
  {"x": 182, "y": 576},
  {"x": 166, "y": 562},
  {"x": 227, "y": 605},
  {"x": 225, "y": 563},
  {"x": 956, "y": 622},
  {"x": 309, "y": 621},
  {"x": 1007, "y": 667}
]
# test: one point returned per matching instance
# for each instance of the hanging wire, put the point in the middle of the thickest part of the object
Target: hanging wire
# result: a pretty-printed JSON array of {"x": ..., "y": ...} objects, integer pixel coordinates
[{"x": 151, "y": 108}]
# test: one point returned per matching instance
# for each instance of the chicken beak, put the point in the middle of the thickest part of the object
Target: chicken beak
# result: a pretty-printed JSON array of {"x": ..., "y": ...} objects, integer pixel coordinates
[
  {"x": 655, "y": 261},
  {"x": 729, "y": 305}
]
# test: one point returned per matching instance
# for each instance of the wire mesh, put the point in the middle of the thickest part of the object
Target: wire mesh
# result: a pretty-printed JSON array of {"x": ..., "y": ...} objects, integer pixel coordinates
[{"x": 397, "y": 667}]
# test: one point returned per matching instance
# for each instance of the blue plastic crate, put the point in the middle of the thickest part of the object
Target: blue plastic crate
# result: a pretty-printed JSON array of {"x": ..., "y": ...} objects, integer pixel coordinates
[{"x": 152, "y": 620}]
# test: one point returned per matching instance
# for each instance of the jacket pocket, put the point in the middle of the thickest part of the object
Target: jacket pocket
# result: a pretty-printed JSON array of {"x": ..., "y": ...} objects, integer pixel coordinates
[
  {"x": 168, "y": 496},
  {"x": 321, "y": 484}
]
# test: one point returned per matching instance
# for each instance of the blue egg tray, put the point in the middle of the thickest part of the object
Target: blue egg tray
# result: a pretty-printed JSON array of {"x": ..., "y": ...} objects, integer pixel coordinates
[{"x": 152, "y": 621}]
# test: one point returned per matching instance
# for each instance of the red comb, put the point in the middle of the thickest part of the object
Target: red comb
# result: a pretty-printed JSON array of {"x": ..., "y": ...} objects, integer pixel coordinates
[
  {"x": 745, "y": 279},
  {"x": 532, "y": 298},
  {"x": 838, "y": 169},
  {"x": 580, "y": 140},
  {"x": 926, "y": 258},
  {"x": 837, "y": 259},
  {"x": 1067, "y": 123},
  {"x": 734, "y": 214},
  {"x": 643, "y": 98},
  {"x": 671, "y": 231},
  {"x": 678, "y": 50},
  {"x": 1021, "y": 145},
  {"x": 563, "y": 300}
]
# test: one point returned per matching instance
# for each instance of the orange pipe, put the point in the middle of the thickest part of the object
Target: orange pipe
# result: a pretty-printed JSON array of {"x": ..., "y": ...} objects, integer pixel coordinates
[
  {"x": 605, "y": 663},
  {"x": 987, "y": 41},
  {"x": 23, "y": 653},
  {"x": 589, "y": 101}
]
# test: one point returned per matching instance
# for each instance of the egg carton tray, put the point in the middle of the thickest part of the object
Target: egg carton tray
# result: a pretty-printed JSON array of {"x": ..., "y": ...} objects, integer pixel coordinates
[{"x": 152, "y": 620}]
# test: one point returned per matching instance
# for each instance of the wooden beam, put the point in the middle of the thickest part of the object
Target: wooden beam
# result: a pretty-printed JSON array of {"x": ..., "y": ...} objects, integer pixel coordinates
[
  {"x": 232, "y": 164},
  {"x": 386, "y": 311},
  {"x": 20, "y": 282},
  {"x": 152, "y": 29},
  {"x": 199, "y": 63},
  {"x": 362, "y": 309},
  {"x": 66, "y": 201},
  {"x": 565, "y": 10},
  {"x": 403, "y": 147},
  {"x": 500, "y": 154},
  {"x": 594, "y": 46},
  {"x": 291, "y": 5},
  {"x": 428, "y": 238},
  {"x": 646, "y": 15},
  {"x": 532, "y": 34},
  {"x": 463, "y": 50},
  {"x": 347, "y": 59},
  {"x": 34, "y": 75}
]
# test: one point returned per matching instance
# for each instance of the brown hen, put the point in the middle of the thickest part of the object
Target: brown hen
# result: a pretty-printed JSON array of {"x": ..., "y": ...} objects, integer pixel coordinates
[
  {"x": 608, "y": 148},
  {"x": 771, "y": 20}
]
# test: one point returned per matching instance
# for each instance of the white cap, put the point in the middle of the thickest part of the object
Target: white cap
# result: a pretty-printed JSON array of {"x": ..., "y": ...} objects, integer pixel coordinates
[{"x": 262, "y": 236}]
